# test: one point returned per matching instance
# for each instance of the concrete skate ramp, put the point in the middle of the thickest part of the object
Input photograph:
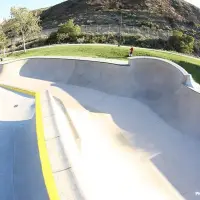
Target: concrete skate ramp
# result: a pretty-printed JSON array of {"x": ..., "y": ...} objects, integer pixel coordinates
[
  {"x": 162, "y": 85},
  {"x": 154, "y": 102},
  {"x": 20, "y": 169}
]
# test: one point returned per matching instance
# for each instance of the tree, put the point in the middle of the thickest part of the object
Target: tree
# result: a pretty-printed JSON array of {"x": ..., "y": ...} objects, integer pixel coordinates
[
  {"x": 10, "y": 31},
  {"x": 68, "y": 31},
  {"x": 3, "y": 41},
  {"x": 181, "y": 42},
  {"x": 26, "y": 24}
]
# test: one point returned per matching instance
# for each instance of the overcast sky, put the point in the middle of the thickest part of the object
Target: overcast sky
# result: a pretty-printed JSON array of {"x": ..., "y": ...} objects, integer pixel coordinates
[{"x": 33, "y": 4}]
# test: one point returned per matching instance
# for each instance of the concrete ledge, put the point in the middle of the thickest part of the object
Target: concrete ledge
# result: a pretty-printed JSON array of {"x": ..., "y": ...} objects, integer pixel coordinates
[
  {"x": 44, "y": 158},
  {"x": 153, "y": 81},
  {"x": 70, "y": 142},
  {"x": 59, "y": 128},
  {"x": 131, "y": 62},
  {"x": 103, "y": 60},
  {"x": 187, "y": 79}
]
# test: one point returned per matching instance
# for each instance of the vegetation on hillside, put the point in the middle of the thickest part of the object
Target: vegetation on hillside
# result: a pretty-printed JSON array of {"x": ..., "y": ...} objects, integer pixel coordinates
[
  {"x": 155, "y": 16},
  {"x": 3, "y": 40},
  {"x": 165, "y": 13},
  {"x": 70, "y": 33},
  {"x": 181, "y": 42}
]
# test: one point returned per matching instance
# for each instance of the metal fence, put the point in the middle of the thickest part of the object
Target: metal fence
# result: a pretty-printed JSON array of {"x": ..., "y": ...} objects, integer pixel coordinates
[
  {"x": 100, "y": 29},
  {"x": 143, "y": 31}
]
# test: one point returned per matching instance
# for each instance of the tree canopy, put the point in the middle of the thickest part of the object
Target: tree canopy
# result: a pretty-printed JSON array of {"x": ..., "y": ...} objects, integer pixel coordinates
[
  {"x": 181, "y": 42},
  {"x": 3, "y": 39},
  {"x": 25, "y": 23}
]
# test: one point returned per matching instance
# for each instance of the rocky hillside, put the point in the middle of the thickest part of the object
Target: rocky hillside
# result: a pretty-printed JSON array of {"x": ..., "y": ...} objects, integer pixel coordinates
[{"x": 164, "y": 13}]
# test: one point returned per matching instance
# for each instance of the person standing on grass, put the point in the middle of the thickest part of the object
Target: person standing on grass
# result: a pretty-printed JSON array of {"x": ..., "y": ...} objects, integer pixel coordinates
[{"x": 131, "y": 51}]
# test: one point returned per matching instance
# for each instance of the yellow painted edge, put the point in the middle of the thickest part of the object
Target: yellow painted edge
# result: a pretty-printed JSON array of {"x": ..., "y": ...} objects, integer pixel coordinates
[
  {"x": 29, "y": 92},
  {"x": 44, "y": 158}
]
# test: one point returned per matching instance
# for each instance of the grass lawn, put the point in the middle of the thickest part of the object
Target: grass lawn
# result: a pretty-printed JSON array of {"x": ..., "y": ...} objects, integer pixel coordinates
[{"x": 192, "y": 65}]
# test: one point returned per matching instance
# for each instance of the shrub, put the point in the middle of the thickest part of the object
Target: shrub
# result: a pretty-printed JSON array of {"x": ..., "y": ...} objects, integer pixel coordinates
[
  {"x": 192, "y": 24},
  {"x": 131, "y": 39},
  {"x": 181, "y": 42},
  {"x": 63, "y": 37},
  {"x": 38, "y": 43},
  {"x": 197, "y": 47},
  {"x": 81, "y": 40},
  {"x": 178, "y": 42},
  {"x": 69, "y": 31},
  {"x": 111, "y": 38},
  {"x": 52, "y": 39}
]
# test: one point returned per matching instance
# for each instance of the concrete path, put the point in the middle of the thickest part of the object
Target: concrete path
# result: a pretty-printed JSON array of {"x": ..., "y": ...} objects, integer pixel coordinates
[{"x": 136, "y": 124}]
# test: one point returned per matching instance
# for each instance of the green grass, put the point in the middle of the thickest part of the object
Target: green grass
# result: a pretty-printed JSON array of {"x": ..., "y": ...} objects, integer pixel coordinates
[{"x": 192, "y": 65}]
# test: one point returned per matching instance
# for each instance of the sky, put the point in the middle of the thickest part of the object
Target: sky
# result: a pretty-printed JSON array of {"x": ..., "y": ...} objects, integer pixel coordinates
[
  {"x": 33, "y": 4},
  {"x": 194, "y": 2}
]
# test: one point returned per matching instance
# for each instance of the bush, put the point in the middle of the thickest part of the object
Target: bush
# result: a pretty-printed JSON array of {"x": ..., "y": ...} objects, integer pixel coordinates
[
  {"x": 38, "y": 43},
  {"x": 98, "y": 38},
  {"x": 197, "y": 47},
  {"x": 178, "y": 42},
  {"x": 181, "y": 42},
  {"x": 131, "y": 39},
  {"x": 81, "y": 40},
  {"x": 192, "y": 24},
  {"x": 152, "y": 43},
  {"x": 52, "y": 39},
  {"x": 63, "y": 37},
  {"x": 68, "y": 32},
  {"x": 111, "y": 38}
]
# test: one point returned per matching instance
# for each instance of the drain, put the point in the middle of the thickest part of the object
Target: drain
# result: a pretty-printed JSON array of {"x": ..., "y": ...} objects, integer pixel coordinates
[{"x": 15, "y": 106}]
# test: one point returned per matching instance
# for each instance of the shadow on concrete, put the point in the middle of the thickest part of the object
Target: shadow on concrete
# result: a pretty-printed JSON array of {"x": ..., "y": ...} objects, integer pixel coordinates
[
  {"x": 21, "y": 175},
  {"x": 44, "y": 69},
  {"x": 173, "y": 153}
]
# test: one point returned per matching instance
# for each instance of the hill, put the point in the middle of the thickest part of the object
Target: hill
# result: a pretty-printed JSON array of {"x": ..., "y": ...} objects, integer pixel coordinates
[{"x": 164, "y": 13}]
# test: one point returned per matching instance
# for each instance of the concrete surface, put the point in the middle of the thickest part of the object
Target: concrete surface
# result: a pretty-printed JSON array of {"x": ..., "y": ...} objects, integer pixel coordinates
[
  {"x": 20, "y": 171},
  {"x": 131, "y": 129},
  {"x": 61, "y": 168}
]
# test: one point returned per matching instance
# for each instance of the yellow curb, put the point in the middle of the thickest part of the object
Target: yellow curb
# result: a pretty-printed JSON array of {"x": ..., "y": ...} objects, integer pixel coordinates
[{"x": 44, "y": 158}]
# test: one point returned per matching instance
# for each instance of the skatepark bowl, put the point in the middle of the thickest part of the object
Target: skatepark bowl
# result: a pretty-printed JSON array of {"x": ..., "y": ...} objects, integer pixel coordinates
[{"x": 112, "y": 130}]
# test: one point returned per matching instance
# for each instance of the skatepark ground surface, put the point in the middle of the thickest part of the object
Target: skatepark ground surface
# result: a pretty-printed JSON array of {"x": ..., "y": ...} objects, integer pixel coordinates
[
  {"x": 19, "y": 157},
  {"x": 134, "y": 128}
]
